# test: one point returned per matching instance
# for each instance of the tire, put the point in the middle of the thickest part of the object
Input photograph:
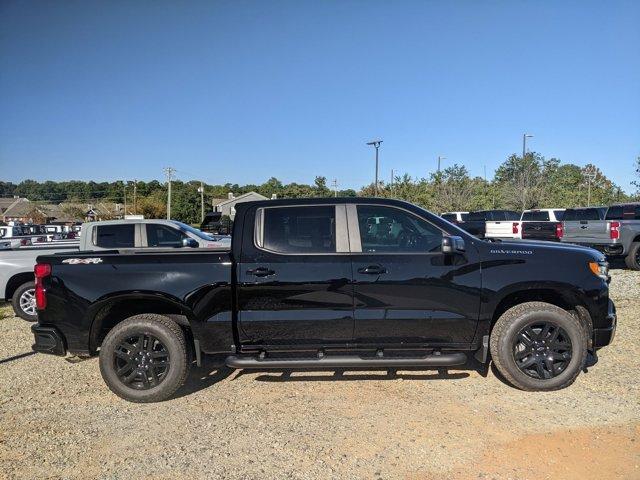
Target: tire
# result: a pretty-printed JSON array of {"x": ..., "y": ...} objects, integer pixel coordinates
[
  {"x": 144, "y": 358},
  {"x": 633, "y": 257},
  {"x": 23, "y": 302},
  {"x": 530, "y": 317}
]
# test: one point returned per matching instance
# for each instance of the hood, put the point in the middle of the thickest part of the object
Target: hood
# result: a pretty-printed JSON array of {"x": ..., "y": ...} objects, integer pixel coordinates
[{"x": 527, "y": 246}]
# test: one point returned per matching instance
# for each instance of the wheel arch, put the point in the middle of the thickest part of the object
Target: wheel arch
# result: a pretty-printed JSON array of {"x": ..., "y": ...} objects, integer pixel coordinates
[
  {"x": 15, "y": 282},
  {"x": 565, "y": 298},
  {"x": 108, "y": 312}
]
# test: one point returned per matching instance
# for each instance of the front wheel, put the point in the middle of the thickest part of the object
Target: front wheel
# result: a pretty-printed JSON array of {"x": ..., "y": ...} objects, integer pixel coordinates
[
  {"x": 144, "y": 358},
  {"x": 23, "y": 302},
  {"x": 537, "y": 346}
]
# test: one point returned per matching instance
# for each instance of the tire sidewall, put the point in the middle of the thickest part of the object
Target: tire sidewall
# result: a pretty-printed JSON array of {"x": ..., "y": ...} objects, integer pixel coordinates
[
  {"x": 560, "y": 319},
  {"x": 631, "y": 259},
  {"x": 15, "y": 302},
  {"x": 128, "y": 329}
]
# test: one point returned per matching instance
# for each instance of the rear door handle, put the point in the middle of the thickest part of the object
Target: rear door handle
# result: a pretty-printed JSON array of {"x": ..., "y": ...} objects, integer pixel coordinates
[
  {"x": 261, "y": 272},
  {"x": 372, "y": 270}
]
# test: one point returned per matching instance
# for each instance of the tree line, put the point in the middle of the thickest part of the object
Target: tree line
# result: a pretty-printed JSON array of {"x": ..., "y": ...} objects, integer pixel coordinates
[{"x": 519, "y": 183}]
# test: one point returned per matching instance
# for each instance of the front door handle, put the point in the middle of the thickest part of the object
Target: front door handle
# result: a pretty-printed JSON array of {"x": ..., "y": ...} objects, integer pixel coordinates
[
  {"x": 372, "y": 270},
  {"x": 261, "y": 272}
]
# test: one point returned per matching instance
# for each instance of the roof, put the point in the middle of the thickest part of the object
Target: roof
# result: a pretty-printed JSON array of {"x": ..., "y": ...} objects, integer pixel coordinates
[{"x": 239, "y": 197}]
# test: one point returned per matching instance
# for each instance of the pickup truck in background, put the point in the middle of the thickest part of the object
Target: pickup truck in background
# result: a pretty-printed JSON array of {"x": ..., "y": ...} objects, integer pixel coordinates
[
  {"x": 455, "y": 217},
  {"x": 542, "y": 224},
  {"x": 328, "y": 283},
  {"x": 16, "y": 266},
  {"x": 614, "y": 230},
  {"x": 490, "y": 223}
]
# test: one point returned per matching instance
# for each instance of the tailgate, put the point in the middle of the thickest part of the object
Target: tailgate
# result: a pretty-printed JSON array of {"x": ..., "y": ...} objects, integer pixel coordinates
[
  {"x": 587, "y": 231},
  {"x": 500, "y": 229},
  {"x": 539, "y": 230}
]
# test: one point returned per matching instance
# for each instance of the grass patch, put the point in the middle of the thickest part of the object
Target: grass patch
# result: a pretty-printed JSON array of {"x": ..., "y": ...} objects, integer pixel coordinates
[{"x": 5, "y": 310}]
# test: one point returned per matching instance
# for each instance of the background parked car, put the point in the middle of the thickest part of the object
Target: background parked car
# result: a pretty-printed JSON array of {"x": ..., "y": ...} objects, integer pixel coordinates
[
  {"x": 491, "y": 223},
  {"x": 542, "y": 224},
  {"x": 455, "y": 217},
  {"x": 614, "y": 230}
]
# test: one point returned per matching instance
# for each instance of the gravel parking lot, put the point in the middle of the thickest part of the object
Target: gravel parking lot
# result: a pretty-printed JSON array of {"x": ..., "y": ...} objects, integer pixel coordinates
[{"x": 59, "y": 420}]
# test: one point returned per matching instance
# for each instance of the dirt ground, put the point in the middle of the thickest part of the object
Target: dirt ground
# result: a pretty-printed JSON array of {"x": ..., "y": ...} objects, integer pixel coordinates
[{"x": 59, "y": 420}]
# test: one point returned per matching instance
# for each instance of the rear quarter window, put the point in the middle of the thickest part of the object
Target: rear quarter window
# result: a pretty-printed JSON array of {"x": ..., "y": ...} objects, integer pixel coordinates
[{"x": 535, "y": 216}]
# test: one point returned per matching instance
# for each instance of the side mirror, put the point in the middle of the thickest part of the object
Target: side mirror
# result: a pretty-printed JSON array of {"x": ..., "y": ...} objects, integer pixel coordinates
[
  {"x": 452, "y": 244},
  {"x": 190, "y": 243}
]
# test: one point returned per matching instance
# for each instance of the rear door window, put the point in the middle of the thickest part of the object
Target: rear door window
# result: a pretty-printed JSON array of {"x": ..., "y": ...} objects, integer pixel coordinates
[
  {"x": 300, "y": 229},
  {"x": 115, "y": 236}
]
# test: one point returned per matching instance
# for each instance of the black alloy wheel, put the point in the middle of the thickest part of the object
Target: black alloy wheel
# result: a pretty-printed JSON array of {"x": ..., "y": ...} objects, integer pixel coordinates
[
  {"x": 542, "y": 350},
  {"x": 141, "y": 362}
]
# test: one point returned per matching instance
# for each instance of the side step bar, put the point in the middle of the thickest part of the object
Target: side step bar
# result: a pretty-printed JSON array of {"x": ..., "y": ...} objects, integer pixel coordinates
[{"x": 345, "y": 361}]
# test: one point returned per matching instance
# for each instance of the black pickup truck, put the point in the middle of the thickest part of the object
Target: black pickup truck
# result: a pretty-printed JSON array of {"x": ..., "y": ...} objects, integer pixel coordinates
[{"x": 328, "y": 283}]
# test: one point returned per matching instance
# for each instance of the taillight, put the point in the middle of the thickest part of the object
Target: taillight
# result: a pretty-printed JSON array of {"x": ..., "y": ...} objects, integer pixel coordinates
[
  {"x": 614, "y": 230},
  {"x": 514, "y": 227},
  {"x": 559, "y": 231},
  {"x": 41, "y": 271}
]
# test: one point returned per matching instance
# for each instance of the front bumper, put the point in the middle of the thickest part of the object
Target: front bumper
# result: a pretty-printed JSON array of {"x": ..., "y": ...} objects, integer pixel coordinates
[
  {"x": 604, "y": 335},
  {"x": 48, "y": 340}
]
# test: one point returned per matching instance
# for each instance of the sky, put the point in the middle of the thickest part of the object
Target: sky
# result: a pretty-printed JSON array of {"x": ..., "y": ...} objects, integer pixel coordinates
[{"x": 240, "y": 91}]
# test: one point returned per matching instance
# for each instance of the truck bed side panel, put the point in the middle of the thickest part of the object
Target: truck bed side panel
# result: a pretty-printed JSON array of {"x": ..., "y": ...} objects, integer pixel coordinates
[{"x": 199, "y": 284}]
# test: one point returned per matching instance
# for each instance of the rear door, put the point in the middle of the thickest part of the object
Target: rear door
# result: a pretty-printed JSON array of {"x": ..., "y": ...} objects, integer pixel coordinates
[
  {"x": 406, "y": 290},
  {"x": 294, "y": 277}
]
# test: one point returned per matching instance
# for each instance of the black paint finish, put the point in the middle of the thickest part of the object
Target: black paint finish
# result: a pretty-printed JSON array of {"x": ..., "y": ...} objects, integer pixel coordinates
[{"x": 251, "y": 299}]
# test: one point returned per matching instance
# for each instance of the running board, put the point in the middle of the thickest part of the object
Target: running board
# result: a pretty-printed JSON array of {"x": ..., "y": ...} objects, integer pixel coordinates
[{"x": 345, "y": 361}]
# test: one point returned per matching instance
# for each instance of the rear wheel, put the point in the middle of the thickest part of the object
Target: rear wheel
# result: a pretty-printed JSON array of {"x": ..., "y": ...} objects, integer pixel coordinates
[
  {"x": 23, "y": 302},
  {"x": 538, "y": 346},
  {"x": 633, "y": 257},
  {"x": 144, "y": 358}
]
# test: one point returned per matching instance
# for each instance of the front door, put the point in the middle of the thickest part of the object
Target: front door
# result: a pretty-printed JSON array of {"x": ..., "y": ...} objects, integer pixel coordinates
[
  {"x": 406, "y": 291},
  {"x": 294, "y": 277}
]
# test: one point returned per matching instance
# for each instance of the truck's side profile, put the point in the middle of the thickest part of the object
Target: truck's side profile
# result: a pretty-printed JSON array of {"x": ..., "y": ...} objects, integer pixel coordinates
[{"x": 326, "y": 283}]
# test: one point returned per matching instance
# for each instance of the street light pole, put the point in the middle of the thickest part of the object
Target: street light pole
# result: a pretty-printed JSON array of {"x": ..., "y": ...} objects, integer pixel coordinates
[
  {"x": 440, "y": 158},
  {"x": 524, "y": 144},
  {"x": 376, "y": 144},
  {"x": 201, "y": 190}
]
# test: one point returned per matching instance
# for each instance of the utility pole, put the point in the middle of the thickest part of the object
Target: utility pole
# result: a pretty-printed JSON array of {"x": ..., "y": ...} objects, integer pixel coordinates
[
  {"x": 135, "y": 191},
  {"x": 440, "y": 158},
  {"x": 201, "y": 190},
  {"x": 169, "y": 171},
  {"x": 335, "y": 187},
  {"x": 376, "y": 145},
  {"x": 125, "y": 199}
]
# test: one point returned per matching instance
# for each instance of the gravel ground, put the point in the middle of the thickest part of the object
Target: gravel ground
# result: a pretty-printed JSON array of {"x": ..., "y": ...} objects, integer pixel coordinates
[{"x": 59, "y": 420}]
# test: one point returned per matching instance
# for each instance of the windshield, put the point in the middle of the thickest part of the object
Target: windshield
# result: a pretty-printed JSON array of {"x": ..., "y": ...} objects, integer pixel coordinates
[{"x": 198, "y": 233}]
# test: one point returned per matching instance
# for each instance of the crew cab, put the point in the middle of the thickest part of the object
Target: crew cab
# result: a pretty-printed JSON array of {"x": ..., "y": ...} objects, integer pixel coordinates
[
  {"x": 16, "y": 266},
  {"x": 328, "y": 283},
  {"x": 614, "y": 230},
  {"x": 542, "y": 224}
]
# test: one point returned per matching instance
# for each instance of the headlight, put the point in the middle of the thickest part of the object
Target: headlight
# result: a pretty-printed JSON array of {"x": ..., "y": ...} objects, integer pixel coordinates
[{"x": 601, "y": 269}]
